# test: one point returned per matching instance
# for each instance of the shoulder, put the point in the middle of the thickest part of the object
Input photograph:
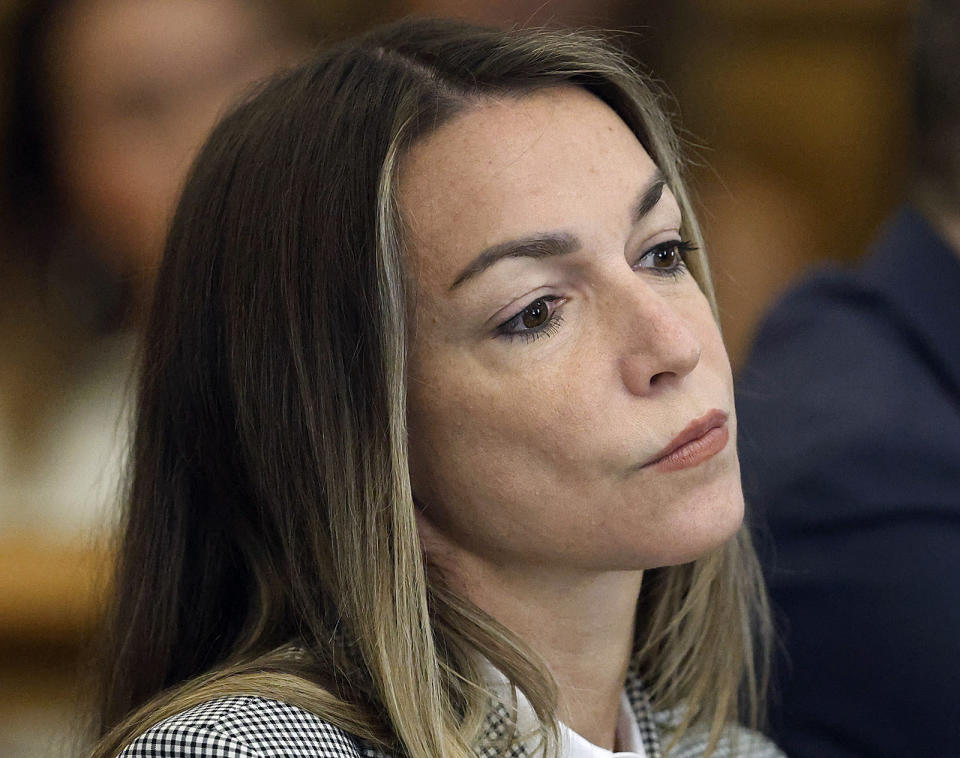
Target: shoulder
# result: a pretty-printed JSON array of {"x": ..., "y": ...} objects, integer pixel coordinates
[
  {"x": 658, "y": 729},
  {"x": 886, "y": 321},
  {"x": 735, "y": 742},
  {"x": 832, "y": 312},
  {"x": 832, "y": 357},
  {"x": 840, "y": 392},
  {"x": 245, "y": 727}
]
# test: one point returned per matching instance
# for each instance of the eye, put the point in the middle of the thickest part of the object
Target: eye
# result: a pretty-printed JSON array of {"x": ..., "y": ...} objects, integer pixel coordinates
[
  {"x": 535, "y": 314},
  {"x": 668, "y": 258},
  {"x": 539, "y": 319}
]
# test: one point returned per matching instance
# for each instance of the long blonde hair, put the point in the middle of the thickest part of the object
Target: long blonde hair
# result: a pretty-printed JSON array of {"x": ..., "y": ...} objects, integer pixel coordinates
[{"x": 270, "y": 545}]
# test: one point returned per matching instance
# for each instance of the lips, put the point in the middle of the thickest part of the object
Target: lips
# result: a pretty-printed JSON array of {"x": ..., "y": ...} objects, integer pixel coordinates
[{"x": 699, "y": 441}]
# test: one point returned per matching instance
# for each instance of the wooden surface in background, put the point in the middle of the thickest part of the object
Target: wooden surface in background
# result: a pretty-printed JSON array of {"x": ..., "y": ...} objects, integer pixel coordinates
[
  {"x": 49, "y": 591},
  {"x": 803, "y": 111},
  {"x": 50, "y": 598}
]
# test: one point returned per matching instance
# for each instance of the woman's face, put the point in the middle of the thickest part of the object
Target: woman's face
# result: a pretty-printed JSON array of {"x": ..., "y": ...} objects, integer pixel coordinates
[{"x": 559, "y": 347}]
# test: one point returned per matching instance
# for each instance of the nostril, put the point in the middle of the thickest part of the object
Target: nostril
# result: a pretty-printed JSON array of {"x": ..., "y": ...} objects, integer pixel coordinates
[{"x": 659, "y": 379}]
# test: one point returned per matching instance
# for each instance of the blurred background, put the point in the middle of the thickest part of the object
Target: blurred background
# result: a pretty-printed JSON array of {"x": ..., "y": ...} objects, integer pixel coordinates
[{"x": 795, "y": 114}]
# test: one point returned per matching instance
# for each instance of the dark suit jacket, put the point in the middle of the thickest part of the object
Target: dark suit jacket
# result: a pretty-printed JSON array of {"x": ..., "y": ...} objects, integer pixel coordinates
[{"x": 849, "y": 424}]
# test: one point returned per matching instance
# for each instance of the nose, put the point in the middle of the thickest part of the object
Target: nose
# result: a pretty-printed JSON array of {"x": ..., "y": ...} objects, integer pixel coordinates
[{"x": 660, "y": 346}]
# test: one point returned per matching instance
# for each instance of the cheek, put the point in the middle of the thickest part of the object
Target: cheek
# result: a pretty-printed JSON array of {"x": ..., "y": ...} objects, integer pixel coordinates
[
  {"x": 714, "y": 349},
  {"x": 518, "y": 405},
  {"x": 713, "y": 371},
  {"x": 463, "y": 427},
  {"x": 486, "y": 450},
  {"x": 716, "y": 362}
]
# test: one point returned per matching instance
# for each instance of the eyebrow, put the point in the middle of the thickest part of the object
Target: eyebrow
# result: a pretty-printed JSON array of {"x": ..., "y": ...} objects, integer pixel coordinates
[
  {"x": 554, "y": 244},
  {"x": 649, "y": 197}
]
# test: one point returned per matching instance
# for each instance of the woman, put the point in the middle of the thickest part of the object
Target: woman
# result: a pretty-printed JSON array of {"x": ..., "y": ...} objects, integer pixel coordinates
[{"x": 435, "y": 446}]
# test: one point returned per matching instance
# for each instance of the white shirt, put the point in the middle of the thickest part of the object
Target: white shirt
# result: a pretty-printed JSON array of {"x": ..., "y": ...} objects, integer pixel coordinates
[
  {"x": 572, "y": 744},
  {"x": 628, "y": 737}
]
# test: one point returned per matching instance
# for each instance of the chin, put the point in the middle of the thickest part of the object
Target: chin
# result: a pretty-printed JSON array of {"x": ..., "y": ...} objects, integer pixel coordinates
[{"x": 704, "y": 520}]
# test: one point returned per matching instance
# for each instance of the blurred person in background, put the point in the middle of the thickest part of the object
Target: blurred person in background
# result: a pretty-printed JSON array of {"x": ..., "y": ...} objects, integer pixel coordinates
[
  {"x": 850, "y": 419},
  {"x": 107, "y": 101},
  {"x": 104, "y": 103}
]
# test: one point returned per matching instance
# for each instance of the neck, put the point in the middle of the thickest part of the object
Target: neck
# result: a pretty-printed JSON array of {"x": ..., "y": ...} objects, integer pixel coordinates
[{"x": 581, "y": 625}]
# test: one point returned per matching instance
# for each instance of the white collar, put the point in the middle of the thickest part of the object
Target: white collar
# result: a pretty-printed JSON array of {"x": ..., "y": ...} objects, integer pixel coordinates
[
  {"x": 628, "y": 738},
  {"x": 573, "y": 745}
]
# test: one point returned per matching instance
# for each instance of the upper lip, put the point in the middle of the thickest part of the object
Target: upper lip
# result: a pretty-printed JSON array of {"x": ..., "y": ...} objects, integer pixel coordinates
[{"x": 694, "y": 430}]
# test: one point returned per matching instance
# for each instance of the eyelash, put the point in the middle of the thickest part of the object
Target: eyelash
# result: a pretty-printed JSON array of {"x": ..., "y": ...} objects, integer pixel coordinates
[
  {"x": 681, "y": 246},
  {"x": 510, "y": 330}
]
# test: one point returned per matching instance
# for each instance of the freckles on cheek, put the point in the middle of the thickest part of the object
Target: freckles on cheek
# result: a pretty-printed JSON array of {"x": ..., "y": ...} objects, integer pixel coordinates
[
  {"x": 699, "y": 317},
  {"x": 715, "y": 353},
  {"x": 487, "y": 430}
]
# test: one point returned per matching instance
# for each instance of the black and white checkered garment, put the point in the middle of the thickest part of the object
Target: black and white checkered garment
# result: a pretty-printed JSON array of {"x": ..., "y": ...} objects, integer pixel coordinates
[{"x": 255, "y": 727}]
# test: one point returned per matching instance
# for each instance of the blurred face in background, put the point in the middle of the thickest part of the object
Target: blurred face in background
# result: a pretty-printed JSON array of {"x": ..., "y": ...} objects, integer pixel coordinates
[{"x": 135, "y": 86}]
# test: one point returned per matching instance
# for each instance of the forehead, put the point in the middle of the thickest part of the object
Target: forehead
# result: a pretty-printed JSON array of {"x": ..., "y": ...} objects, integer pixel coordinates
[{"x": 556, "y": 159}]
